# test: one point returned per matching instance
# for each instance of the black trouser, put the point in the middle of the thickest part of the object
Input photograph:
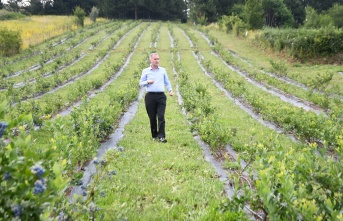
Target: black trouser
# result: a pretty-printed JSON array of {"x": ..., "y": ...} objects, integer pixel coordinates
[{"x": 155, "y": 103}]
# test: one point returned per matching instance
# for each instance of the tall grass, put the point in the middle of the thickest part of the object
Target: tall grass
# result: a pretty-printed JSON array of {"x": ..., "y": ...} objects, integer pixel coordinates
[{"x": 36, "y": 29}]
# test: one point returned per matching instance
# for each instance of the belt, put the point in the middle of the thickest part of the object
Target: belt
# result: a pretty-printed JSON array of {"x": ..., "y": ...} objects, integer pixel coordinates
[{"x": 155, "y": 92}]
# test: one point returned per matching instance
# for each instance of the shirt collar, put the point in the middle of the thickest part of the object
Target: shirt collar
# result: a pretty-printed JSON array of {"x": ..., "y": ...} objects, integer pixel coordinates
[{"x": 157, "y": 67}]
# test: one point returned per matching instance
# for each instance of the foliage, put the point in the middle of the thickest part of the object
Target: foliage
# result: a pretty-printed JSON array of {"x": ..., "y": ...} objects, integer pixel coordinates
[
  {"x": 31, "y": 180},
  {"x": 336, "y": 13},
  {"x": 133, "y": 9},
  {"x": 278, "y": 68},
  {"x": 6, "y": 15},
  {"x": 10, "y": 42},
  {"x": 240, "y": 28},
  {"x": 315, "y": 20},
  {"x": 94, "y": 14},
  {"x": 277, "y": 14},
  {"x": 203, "y": 12},
  {"x": 37, "y": 29},
  {"x": 227, "y": 23},
  {"x": 80, "y": 15},
  {"x": 253, "y": 13},
  {"x": 295, "y": 184},
  {"x": 304, "y": 43},
  {"x": 298, "y": 11},
  {"x": 36, "y": 7}
]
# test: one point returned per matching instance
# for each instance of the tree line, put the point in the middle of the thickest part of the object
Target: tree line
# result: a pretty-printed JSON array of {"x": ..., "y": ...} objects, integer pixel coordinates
[
  {"x": 273, "y": 13},
  {"x": 113, "y": 9}
]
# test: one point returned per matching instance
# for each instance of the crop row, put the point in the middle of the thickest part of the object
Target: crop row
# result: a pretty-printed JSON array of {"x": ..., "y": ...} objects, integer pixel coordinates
[
  {"x": 44, "y": 84},
  {"x": 292, "y": 179},
  {"x": 50, "y": 103},
  {"x": 58, "y": 57},
  {"x": 30, "y": 55},
  {"x": 95, "y": 119},
  {"x": 76, "y": 137},
  {"x": 305, "y": 124},
  {"x": 280, "y": 186},
  {"x": 317, "y": 92}
]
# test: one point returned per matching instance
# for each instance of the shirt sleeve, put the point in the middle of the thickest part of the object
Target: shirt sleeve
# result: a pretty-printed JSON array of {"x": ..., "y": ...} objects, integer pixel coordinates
[
  {"x": 167, "y": 82},
  {"x": 143, "y": 81}
]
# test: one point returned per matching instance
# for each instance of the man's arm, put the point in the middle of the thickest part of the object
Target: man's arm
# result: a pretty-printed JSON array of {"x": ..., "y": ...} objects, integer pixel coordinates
[
  {"x": 168, "y": 84},
  {"x": 143, "y": 81}
]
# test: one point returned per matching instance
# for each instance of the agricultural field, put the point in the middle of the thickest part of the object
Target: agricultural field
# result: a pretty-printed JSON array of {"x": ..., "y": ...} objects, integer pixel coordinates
[
  {"x": 250, "y": 135},
  {"x": 36, "y": 29}
]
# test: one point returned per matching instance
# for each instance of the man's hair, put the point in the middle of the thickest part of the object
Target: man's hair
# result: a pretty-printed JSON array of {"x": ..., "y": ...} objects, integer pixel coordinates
[{"x": 150, "y": 56}]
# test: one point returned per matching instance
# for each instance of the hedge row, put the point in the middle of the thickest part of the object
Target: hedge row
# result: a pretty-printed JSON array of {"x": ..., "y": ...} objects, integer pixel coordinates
[{"x": 304, "y": 43}]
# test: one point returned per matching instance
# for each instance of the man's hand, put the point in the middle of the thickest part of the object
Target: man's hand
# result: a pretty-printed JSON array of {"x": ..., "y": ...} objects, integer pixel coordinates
[
  {"x": 150, "y": 81},
  {"x": 171, "y": 93}
]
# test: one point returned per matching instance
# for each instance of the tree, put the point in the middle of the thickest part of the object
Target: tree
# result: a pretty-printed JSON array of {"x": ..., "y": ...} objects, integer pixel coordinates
[
  {"x": 59, "y": 8},
  {"x": 312, "y": 18},
  {"x": 14, "y": 4},
  {"x": 36, "y": 7},
  {"x": 203, "y": 11},
  {"x": 142, "y": 9},
  {"x": 336, "y": 13},
  {"x": 277, "y": 14},
  {"x": 94, "y": 14},
  {"x": 315, "y": 20},
  {"x": 253, "y": 14},
  {"x": 48, "y": 7},
  {"x": 321, "y": 5},
  {"x": 80, "y": 15},
  {"x": 1, "y": 5},
  {"x": 297, "y": 10}
]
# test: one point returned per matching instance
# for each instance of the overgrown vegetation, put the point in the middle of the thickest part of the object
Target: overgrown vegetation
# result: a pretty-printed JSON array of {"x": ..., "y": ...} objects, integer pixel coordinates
[
  {"x": 80, "y": 15},
  {"x": 10, "y": 42},
  {"x": 304, "y": 43},
  {"x": 7, "y": 15}
]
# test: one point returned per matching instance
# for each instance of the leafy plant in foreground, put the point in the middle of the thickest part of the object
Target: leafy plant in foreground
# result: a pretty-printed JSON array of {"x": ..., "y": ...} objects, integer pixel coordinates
[{"x": 31, "y": 180}]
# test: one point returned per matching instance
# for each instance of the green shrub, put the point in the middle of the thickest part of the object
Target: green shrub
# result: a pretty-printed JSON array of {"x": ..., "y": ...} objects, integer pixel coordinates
[
  {"x": 304, "y": 43},
  {"x": 6, "y": 15},
  {"x": 228, "y": 23},
  {"x": 31, "y": 180},
  {"x": 94, "y": 14},
  {"x": 80, "y": 15},
  {"x": 10, "y": 42}
]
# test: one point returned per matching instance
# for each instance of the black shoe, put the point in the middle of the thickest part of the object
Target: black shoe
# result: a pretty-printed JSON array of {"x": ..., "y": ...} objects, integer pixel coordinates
[{"x": 162, "y": 140}]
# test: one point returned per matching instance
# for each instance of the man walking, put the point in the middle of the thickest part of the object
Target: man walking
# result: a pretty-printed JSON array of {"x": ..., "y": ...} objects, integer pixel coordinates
[{"x": 155, "y": 79}]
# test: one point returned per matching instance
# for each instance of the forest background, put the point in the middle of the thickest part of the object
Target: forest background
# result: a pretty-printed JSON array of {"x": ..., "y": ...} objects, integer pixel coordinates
[{"x": 256, "y": 13}]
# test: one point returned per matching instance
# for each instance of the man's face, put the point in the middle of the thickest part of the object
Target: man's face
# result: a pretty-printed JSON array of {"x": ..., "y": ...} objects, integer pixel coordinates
[{"x": 155, "y": 60}]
